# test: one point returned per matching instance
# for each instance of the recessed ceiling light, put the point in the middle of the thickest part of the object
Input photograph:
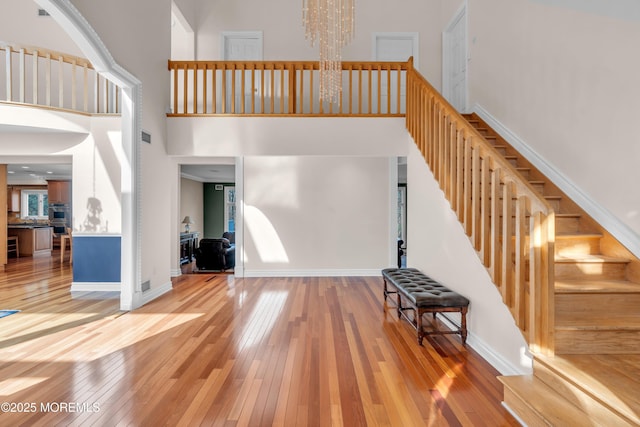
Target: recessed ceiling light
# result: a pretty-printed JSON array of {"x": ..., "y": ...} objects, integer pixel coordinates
[
  {"x": 10, "y": 172},
  {"x": 25, "y": 167},
  {"x": 49, "y": 172},
  {"x": 32, "y": 174}
]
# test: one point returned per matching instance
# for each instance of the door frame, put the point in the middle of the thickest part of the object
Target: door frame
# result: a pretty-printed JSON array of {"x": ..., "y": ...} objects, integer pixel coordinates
[
  {"x": 413, "y": 36},
  {"x": 460, "y": 16},
  {"x": 227, "y": 35}
]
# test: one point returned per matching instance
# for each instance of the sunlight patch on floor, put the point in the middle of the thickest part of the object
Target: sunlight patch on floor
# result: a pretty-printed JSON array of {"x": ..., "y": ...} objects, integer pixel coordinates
[{"x": 14, "y": 385}]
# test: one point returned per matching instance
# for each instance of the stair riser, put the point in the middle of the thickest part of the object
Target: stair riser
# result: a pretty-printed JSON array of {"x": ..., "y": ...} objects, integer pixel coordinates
[
  {"x": 501, "y": 150},
  {"x": 597, "y": 342},
  {"x": 567, "y": 225},
  {"x": 519, "y": 407},
  {"x": 577, "y": 245},
  {"x": 590, "y": 271},
  {"x": 514, "y": 162},
  {"x": 538, "y": 187},
  {"x": 574, "y": 394},
  {"x": 577, "y": 307},
  {"x": 555, "y": 204}
]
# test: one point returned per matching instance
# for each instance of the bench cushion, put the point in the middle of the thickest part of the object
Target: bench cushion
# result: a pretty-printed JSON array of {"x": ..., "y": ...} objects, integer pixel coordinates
[{"x": 422, "y": 290}]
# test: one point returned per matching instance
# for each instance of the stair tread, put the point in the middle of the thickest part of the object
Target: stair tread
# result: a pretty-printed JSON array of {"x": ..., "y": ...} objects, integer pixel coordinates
[
  {"x": 610, "y": 378},
  {"x": 547, "y": 402},
  {"x": 586, "y": 258},
  {"x": 600, "y": 323},
  {"x": 596, "y": 286},
  {"x": 578, "y": 235}
]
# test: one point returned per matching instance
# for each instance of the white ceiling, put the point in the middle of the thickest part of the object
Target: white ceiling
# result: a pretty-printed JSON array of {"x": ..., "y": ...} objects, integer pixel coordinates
[
  {"x": 35, "y": 173},
  {"x": 209, "y": 173}
]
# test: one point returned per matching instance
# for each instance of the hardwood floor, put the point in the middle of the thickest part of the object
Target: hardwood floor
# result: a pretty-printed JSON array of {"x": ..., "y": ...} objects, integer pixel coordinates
[{"x": 223, "y": 351}]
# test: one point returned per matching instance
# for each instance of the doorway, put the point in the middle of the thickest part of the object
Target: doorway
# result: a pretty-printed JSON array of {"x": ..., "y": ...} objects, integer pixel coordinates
[
  {"x": 207, "y": 196},
  {"x": 241, "y": 46},
  {"x": 395, "y": 47},
  {"x": 454, "y": 61}
]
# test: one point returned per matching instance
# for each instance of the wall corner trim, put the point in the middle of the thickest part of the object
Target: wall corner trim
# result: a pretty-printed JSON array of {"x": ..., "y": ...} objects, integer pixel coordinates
[{"x": 625, "y": 235}]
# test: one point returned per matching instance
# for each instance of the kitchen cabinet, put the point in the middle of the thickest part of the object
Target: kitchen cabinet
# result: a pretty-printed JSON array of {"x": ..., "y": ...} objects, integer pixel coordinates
[
  {"x": 59, "y": 191},
  {"x": 13, "y": 199},
  {"x": 33, "y": 240}
]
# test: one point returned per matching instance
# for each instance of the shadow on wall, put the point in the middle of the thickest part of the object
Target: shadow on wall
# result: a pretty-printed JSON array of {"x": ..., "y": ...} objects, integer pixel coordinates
[{"x": 93, "y": 217}]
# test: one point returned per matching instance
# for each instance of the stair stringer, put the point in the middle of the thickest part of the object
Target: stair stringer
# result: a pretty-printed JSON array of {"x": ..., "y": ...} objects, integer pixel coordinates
[{"x": 439, "y": 246}]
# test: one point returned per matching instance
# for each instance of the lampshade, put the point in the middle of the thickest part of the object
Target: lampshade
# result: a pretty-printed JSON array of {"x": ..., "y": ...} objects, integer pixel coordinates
[{"x": 187, "y": 220}]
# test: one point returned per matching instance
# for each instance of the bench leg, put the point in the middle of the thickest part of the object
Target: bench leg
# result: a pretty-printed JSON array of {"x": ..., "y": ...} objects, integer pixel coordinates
[
  {"x": 399, "y": 306},
  {"x": 385, "y": 289},
  {"x": 463, "y": 325},
  {"x": 418, "y": 315}
]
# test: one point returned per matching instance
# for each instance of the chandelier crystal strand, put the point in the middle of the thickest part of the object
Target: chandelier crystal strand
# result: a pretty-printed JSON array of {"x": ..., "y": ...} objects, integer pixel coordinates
[{"x": 331, "y": 23}]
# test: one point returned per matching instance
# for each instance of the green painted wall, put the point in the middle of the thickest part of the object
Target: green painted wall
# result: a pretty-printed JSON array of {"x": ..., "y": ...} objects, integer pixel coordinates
[{"x": 214, "y": 210}]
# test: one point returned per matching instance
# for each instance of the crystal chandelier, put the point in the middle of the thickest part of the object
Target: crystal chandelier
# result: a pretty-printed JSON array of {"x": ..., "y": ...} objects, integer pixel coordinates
[{"x": 332, "y": 24}]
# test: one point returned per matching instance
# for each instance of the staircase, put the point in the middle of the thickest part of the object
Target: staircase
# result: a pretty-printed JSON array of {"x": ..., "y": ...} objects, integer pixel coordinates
[{"x": 594, "y": 376}]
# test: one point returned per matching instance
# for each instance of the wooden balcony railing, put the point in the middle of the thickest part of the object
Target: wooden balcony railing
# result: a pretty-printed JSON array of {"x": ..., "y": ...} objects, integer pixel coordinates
[
  {"x": 511, "y": 227},
  {"x": 285, "y": 88},
  {"x": 38, "y": 76}
]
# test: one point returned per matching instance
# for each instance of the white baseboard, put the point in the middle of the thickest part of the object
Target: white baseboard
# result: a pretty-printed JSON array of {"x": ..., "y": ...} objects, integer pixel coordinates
[
  {"x": 176, "y": 273},
  {"x": 95, "y": 286},
  {"x": 153, "y": 293},
  {"x": 501, "y": 364},
  {"x": 625, "y": 235},
  {"x": 310, "y": 273}
]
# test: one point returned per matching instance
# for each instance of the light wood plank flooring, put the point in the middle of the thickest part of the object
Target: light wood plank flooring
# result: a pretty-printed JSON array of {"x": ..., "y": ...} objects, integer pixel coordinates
[{"x": 223, "y": 351}]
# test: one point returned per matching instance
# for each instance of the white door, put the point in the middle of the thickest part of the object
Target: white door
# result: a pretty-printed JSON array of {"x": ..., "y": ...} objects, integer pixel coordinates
[
  {"x": 394, "y": 47},
  {"x": 454, "y": 61},
  {"x": 242, "y": 46}
]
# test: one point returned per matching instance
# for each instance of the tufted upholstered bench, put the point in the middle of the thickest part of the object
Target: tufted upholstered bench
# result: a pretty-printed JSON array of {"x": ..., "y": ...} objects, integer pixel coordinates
[{"x": 421, "y": 294}]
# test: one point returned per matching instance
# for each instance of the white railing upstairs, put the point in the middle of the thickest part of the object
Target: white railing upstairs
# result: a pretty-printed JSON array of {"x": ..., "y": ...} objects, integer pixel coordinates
[{"x": 37, "y": 76}]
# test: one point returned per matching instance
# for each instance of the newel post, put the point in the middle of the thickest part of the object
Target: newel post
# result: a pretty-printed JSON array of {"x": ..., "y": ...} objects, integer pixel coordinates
[{"x": 410, "y": 106}]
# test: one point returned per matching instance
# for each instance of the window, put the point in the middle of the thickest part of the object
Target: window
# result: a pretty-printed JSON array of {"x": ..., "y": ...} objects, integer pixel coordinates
[
  {"x": 35, "y": 204},
  {"x": 230, "y": 208}
]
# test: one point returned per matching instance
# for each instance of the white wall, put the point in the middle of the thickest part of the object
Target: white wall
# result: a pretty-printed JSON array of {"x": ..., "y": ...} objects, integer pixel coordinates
[
  {"x": 316, "y": 215},
  {"x": 562, "y": 76},
  {"x": 255, "y": 136},
  {"x": 192, "y": 203},
  {"x": 20, "y": 23},
  {"x": 438, "y": 246},
  {"x": 284, "y": 39},
  {"x": 96, "y": 179}
]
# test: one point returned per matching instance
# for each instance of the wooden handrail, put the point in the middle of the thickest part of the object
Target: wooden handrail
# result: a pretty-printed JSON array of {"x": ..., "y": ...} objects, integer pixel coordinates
[
  {"x": 492, "y": 201},
  {"x": 34, "y": 75},
  {"x": 373, "y": 89}
]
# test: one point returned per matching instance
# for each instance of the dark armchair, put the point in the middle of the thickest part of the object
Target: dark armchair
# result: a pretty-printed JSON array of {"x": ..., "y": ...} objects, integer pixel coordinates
[{"x": 215, "y": 255}]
